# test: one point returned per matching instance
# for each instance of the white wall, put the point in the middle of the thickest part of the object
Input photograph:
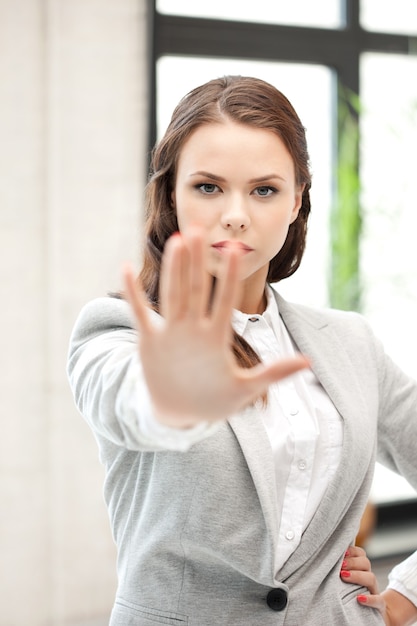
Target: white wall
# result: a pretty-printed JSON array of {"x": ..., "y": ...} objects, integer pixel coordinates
[{"x": 72, "y": 161}]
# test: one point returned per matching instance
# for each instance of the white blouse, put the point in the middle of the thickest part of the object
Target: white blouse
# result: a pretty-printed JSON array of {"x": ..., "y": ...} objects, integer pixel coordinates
[
  {"x": 304, "y": 429},
  {"x": 403, "y": 578}
]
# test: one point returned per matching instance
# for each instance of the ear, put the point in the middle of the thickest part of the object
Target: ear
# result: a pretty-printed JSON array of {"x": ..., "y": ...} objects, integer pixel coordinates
[
  {"x": 173, "y": 201},
  {"x": 297, "y": 202}
]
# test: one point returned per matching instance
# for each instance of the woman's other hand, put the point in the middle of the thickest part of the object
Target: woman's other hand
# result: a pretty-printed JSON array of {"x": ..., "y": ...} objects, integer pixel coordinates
[
  {"x": 395, "y": 608},
  {"x": 356, "y": 569}
]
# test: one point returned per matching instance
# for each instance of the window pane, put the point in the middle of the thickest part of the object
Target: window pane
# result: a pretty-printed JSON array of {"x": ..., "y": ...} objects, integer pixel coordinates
[
  {"x": 388, "y": 172},
  {"x": 323, "y": 14},
  {"x": 389, "y": 259},
  {"x": 177, "y": 75},
  {"x": 391, "y": 17}
]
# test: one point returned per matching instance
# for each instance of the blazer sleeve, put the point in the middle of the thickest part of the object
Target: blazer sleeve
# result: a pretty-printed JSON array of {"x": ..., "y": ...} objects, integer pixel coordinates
[
  {"x": 397, "y": 439},
  {"x": 108, "y": 384},
  {"x": 397, "y": 418}
]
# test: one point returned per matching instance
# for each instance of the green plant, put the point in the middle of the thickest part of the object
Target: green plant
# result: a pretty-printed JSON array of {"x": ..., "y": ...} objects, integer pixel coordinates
[{"x": 346, "y": 216}]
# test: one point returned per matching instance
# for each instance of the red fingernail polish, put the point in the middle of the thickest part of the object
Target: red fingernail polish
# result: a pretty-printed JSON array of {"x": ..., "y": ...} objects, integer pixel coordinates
[
  {"x": 347, "y": 552},
  {"x": 344, "y": 564},
  {"x": 363, "y": 599},
  {"x": 344, "y": 573}
]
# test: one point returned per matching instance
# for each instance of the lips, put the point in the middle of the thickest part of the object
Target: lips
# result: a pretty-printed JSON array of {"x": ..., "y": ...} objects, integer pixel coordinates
[{"x": 222, "y": 246}]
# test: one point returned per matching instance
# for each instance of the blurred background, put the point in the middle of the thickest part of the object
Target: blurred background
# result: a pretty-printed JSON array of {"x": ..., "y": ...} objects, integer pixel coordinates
[{"x": 86, "y": 87}]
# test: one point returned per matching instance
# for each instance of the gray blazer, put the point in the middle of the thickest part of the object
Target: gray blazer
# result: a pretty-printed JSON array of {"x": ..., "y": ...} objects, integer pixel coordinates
[{"x": 196, "y": 531}]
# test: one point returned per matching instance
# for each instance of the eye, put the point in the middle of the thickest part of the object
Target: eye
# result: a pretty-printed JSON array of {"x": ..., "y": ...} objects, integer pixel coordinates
[
  {"x": 207, "y": 188},
  {"x": 265, "y": 191}
]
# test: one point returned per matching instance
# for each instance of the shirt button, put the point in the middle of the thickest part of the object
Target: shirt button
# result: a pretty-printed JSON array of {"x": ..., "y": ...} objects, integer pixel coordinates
[
  {"x": 254, "y": 319},
  {"x": 302, "y": 465},
  {"x": 289, "y": 535},
  {"x": 294, "y": 411}
]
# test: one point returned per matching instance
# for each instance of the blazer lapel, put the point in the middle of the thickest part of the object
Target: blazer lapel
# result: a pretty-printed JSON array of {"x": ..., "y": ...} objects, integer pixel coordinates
[
  {"x": 256, "y": 448},
  {"x": 331, "y": 364},
  {"x": 333, "y": 368}
]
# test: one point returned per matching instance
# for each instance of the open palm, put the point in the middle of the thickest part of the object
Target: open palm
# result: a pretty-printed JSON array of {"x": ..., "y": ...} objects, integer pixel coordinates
[{"x": 188, "y": 360}]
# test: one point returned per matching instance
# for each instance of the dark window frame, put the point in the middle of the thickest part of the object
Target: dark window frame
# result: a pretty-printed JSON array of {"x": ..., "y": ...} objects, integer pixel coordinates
[{"x": 339, "y": 48}]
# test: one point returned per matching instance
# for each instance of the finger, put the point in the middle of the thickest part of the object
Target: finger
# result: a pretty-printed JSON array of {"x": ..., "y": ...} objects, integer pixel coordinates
[
  {"x": 355, "y": 551},
  {"x": 173, "y": 285},
  {"x": 136, "y": 298},
  {"x": 281, "y": 369},
  {"x": 261, "y": 376},
  {"x": 197, "y": 275},
  {"x": 227, "y": 290},
  {"x": 364, "y": 579},
  {"x": 355, "y": 559},
  {"x": 373, "y": 601},
  {"x": 361, "y": 563}
]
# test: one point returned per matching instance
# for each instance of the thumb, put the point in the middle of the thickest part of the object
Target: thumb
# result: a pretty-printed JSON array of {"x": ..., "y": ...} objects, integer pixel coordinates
[{"x": 261, "y": 376}]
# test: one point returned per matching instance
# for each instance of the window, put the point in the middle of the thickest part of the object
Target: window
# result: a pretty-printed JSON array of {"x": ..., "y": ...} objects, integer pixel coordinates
[
  {"x": 389, "y": 17},
  {"x": 388, "y": 167},
  {"x": 351, "y": 60}
]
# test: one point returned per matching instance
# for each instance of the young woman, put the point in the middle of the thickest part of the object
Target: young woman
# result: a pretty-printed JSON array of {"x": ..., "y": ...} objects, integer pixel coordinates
[{"x": 238, "y": 431}]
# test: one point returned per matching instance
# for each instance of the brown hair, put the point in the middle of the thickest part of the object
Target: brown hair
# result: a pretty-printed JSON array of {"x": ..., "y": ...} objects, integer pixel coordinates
[{"x": 248, "y": 101}]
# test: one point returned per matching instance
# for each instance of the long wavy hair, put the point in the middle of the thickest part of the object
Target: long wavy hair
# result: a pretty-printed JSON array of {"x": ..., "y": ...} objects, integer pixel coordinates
[{"x": 248, "y": 101}]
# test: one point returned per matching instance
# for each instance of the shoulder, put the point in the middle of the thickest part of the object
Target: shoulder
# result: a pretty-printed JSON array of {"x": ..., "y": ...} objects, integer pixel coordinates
[
  {"x": 320, "y": 317},
  {"x": 329, "y": 327},
  {"x": 103, "y": 315}
]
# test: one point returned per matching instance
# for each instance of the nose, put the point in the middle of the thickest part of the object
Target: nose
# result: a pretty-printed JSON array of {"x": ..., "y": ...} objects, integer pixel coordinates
[{"x": 235, "y": 216}]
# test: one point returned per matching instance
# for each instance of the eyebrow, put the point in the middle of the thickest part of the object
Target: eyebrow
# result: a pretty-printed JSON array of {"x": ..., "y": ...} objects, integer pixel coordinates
[{"x": 261, "y": 179}]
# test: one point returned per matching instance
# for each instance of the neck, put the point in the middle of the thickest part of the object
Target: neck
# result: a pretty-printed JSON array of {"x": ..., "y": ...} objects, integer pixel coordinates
[{"x": 251, "y": 303}]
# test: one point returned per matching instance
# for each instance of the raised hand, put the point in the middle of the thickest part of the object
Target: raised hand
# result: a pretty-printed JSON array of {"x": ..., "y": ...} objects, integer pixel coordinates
[{"x": 187, "y": 360}]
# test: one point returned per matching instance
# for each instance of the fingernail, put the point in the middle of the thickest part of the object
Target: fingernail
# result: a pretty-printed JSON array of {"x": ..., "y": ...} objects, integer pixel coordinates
[
  {"x": 347, "y": 552},
  {"x": 344, "y": 573},
  {"x": 344, "y": 565},
  {"x": 363, "y": 599}
]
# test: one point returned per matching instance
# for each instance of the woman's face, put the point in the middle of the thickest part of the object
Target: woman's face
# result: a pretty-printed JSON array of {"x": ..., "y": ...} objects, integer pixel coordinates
[{"x": 238, "y": 184}]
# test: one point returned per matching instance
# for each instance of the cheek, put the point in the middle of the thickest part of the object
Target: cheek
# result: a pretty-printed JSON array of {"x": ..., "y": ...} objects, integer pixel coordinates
[
  {"x": 181, "y": 209},
  {"x": 186, "y": 218},
  {"x": 189, "y": 212},
  {"x": 181, "y": 220},
  {"x": 276, "y": 235}
]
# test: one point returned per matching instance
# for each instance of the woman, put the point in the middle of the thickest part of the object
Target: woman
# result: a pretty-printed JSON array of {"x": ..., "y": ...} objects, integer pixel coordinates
[{"x": 237, "y": 469}]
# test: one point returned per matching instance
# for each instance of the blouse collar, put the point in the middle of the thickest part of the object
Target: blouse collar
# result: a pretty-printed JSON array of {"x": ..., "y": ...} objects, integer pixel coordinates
[{"x": 241, "y": 320}]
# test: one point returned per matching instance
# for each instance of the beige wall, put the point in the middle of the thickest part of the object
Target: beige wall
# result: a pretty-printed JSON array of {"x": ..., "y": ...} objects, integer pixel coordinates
[{"x": 72, "y": 145}]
